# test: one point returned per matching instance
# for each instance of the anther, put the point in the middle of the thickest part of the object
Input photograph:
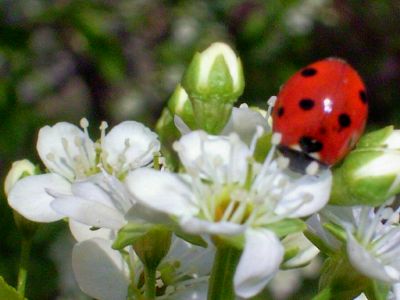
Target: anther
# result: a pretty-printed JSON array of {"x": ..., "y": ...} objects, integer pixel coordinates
[
  {"x": 103, "y": 125},
  {"x": 243, "y": 105},
  {"x": 84, "y": 123},
  {"x": 312, "y": 168}
]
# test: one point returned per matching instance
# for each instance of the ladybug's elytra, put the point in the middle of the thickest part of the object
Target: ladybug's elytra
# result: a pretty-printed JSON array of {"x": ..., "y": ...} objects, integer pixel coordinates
[{"x": 321, "y": 112}]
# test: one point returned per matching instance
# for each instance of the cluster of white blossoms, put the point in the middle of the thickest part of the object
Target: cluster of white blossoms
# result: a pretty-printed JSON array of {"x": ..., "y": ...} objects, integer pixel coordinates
[{"x": 223, "y": 218}]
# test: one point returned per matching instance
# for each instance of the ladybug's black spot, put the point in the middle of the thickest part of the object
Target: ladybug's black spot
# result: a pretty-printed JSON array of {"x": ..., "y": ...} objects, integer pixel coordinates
[
  {"x": 281, "y": 111},
  {"x": 308, "y": 72},
  {"x": 310, "y": 145},
  {"x": 344, "y": 120},
  {"x": 306, "y": 104},
  {"x": 363, "y": 96}
]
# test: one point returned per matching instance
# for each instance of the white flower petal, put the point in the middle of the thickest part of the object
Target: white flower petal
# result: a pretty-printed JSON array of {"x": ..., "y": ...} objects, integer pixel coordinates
[
  {"x": 215, "y": 157},
  {"x": 306, "y": 250},
  {"x": 161, "y": 191},
  {"x": 88, "y": 190},
  {"x": 89, "y": 212},
  {"x": 316, "y": 188},
  {"x": 197, "y": 226},
  {"x": 133, "y": 141},
  {"x": 30, "y": 198},
  {"x": 367, "y": 264},
  {"x": 181, "y": 125},
  {"x": 193, "y": 259},
  {"x": 245, "y": 121},
  {"x": 82, "y": 232},
  {"x": 52, "y": 151},
  {"x": 260, "y": 260},
  {"x": 100, "y": 271}
]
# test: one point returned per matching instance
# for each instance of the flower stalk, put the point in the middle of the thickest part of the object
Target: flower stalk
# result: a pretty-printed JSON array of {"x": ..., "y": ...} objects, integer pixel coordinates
[
  {"x": 221, "y": 279},
  {"x": 23, "y": 266}
]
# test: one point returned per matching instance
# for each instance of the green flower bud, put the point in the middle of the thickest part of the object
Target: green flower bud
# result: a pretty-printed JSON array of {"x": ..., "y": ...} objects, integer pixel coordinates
[
  {"x": 19, "y": 169},
  {"x": 179, "y": 104},
  {"x": 370, "y": 174},
  {"x": 214, "y": 81},
  {"x": 152, "y": 247},
  {"x": 168, "y": 133}
]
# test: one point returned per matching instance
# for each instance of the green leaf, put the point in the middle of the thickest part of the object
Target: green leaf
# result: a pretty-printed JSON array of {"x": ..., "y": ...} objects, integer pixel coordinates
[
  {"x": 8, "y": 292},
  {"x": 129, "y": 234},
  {"x": 287, "y": 226}
]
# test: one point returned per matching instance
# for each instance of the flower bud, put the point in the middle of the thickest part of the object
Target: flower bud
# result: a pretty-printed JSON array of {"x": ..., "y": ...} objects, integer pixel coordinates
[
  {"x": 19, "y": 170},
  {"x": 370, "y": 174},
  {"x": 214, "y": 81},
  {"x": 152, "y": 247},
  {"x": 179, "y": 104}
]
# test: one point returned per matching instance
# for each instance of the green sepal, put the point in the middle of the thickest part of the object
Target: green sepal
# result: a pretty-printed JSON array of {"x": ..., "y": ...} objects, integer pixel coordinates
[
  {"x": 129, "y": 234},
  {"x": 318, "y": 242},
  {"x": 290, "y": 253},
  {"x": 7, "y": 292},
  {"x": 336, "y": 231},
  {"x": 375, "y": 138},
  {"x": 262, "y": 147},
  {"x": 377, "y": 290},
  {"x": 286, "y": 226},
  {"x": 192, "y": 239},
  {"x": 168, "y": 134},
  {"x": 341, "y": 279}
]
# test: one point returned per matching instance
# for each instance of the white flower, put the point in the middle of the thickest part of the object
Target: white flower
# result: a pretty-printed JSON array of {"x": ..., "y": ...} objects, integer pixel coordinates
[
  {"x": 70, "y": 155},
  {"x": 372, "y": 239},
  {"x": 224, "y": 192},
  {"x": 101, "y": 201},
  {"x": 104, "y": 274}
]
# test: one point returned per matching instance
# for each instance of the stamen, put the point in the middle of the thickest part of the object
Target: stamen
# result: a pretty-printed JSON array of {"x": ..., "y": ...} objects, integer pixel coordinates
[
  {"x": 259, "y": 132},
  {"x": 243, "y": 105},
  {"x": 84, "y": 123},
  {"x": 312, "y": 168},
  {"x": 271, "y": 103}
]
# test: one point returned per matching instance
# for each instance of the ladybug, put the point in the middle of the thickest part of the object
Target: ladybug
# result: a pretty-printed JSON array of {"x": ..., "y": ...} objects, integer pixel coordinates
[{"x": 321, "y": 113}]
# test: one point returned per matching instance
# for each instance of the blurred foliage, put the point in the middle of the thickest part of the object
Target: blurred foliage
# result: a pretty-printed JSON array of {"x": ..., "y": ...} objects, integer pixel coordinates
[{"x": 116, "y": 60}]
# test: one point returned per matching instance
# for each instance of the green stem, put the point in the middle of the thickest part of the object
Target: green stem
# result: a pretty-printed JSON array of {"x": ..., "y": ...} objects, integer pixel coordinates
[
  {"x": 221, "y": 279},
  {"x": 150, "y": 282},
  {"x": 23, "y": 267}
]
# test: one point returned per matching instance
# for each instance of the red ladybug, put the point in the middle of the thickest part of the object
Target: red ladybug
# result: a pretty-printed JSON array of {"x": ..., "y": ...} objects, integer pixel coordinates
[{"x": 321, "y": 112}]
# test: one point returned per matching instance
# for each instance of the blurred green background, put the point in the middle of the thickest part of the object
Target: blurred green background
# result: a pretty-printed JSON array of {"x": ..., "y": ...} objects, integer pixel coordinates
[{"x": 116, "y": 60}]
